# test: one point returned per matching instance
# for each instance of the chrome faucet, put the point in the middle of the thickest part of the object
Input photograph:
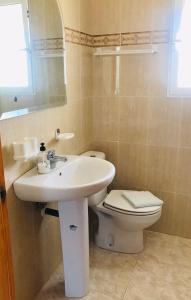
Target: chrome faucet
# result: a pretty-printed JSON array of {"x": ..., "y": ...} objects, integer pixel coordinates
[{"x": 53, "y": 158}]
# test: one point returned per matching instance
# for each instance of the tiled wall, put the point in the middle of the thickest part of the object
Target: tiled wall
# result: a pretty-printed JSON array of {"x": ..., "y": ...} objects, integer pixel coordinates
[
  {"x": 146, "y": 134},
  {"x": 36, "y": 241}
]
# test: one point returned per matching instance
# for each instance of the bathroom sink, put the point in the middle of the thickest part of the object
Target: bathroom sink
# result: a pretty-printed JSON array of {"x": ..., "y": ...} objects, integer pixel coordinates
[
  {"x": 70, "y": 184},
  {"x": 79, "y": 177}
]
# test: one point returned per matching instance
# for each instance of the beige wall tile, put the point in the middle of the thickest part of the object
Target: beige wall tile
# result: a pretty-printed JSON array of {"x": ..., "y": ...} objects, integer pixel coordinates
[
  {"x": 103, "y": 76},
  {"x": 135, "y": 75},
  {"x": 167, "y": 222},
  {"x": 86, "y": 72},
  {"x": 133, "y": 120},
  {"x": 131, "y": 170},
  {"x": 158, "y": 71},
  {"x": 21, "y": 216},
  {"x": 161, "y": 168},
  {"x": 105, "y": 119},
  {"x": 109, "y": 148},
  {"x": 182, "y": 181},
  {"x": 85, "y": 16},
  {"x": 140, "y": 75},
  {"x": 185, "y": 130},
  {"x": 73, "y": 71},
  {"x": 87, "y": 124},
  {"x": 163, "y": 121},
  {"x": 47, "y": 244},
  {"x": 175, "y": 218},
  {"x": 136, "y": 15},
  {"x": 105, "y": 16},
  {"x": 71, "y": 13},
  {"x": 181, "y": 215},
  {"x": 74, "y": 124},
  {"x": 162, "y": 13},
  {"x": 111, "y": 151}
]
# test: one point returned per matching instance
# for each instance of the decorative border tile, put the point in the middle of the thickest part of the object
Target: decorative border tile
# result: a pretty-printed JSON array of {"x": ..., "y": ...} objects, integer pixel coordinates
[
  {"x": 72, "y": 36},
  {"x": 104, "y": 40},
  {"x": 78, "y": 37},
  {"x": 86, "y": 39},
  {"x": 107, "y": 40},
  {"x": 145, "y": 37},
  {"x": 135, "y": 38},
  {"x": 160, "y": 37},
  {"x": 48, "y": 44}
]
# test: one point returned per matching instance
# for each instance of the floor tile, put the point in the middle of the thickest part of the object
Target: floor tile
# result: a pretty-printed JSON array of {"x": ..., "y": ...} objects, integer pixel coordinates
[{"x": 161, "y": 272}]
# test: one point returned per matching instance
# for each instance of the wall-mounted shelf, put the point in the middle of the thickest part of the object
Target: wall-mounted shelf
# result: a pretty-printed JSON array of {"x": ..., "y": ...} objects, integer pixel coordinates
[{"x": 119, "y": 52}]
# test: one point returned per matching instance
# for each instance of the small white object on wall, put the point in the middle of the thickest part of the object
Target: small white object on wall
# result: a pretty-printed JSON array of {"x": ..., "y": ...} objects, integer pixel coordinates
[
  {"x": 63, "y": 136},
  {"x": 25, "y": 149}
]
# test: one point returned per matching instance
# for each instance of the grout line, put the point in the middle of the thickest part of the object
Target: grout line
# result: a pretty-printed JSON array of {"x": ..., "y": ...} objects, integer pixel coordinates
[
  {"x": 129, "y": 280},
  {"x": 123, "y": 296}
]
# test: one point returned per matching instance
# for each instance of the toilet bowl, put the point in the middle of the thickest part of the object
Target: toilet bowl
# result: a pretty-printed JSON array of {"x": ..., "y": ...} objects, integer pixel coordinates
[
  {"x": 120, "y": 225},
  {"x": 122, "y": 230}
]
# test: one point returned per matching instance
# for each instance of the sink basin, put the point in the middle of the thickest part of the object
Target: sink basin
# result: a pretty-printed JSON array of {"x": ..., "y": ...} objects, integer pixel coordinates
[
  {"x": 79, "y": 177},
  {"x": 70, "y": 184}
]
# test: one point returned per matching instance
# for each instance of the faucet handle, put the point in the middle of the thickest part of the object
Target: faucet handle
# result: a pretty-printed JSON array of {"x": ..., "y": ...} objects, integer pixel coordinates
[{"x": 50, "y": 154}]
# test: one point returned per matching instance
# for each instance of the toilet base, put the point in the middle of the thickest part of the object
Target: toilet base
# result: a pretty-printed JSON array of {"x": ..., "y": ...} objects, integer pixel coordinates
[{"x": 114, "y": 238}]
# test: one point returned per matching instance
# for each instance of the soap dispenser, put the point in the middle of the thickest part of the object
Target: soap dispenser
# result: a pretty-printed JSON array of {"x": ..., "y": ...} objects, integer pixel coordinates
[{"x": 43, "y": 164}]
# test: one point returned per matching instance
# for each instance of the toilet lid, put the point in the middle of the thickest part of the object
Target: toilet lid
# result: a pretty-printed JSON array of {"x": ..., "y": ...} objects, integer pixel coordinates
[{"x": 115, "y": 200}]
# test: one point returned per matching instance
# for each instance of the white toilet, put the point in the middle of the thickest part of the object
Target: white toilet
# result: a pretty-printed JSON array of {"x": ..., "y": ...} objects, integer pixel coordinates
[{"x": 120, "y": 226}]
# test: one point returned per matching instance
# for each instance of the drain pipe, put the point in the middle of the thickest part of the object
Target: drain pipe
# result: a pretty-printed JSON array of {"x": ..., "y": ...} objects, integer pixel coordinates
[
  {"x": 44, "y": 210},
  {"x": 50, "y": 212}
]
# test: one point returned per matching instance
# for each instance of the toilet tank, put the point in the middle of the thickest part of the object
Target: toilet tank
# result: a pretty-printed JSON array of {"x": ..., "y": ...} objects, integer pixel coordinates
[{"x": 98, "y": 197}]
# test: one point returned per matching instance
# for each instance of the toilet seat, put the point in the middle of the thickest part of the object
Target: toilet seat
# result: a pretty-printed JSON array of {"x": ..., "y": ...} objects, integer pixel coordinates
[{"x": 116, "y": 202}]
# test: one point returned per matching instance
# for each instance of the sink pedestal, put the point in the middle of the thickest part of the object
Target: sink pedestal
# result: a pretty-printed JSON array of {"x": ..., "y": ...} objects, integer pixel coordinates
[
  {"x": 73, "y": 217},
  {"x": 76, "y": 178}
]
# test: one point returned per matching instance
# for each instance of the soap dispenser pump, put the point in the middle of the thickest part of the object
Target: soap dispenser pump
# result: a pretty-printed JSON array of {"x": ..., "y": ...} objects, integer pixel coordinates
[
  {"x": 43, "y": 165},
  {"x": 42, "y": 147}
]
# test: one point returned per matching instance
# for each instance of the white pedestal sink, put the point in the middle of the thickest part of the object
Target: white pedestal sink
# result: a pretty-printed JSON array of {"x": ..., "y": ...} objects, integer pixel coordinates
[{"x": 70, "y": 184}]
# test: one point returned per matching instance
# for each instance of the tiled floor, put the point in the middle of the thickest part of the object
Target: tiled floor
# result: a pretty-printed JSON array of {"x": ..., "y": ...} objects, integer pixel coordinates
[{"x": 161, "y": 272}]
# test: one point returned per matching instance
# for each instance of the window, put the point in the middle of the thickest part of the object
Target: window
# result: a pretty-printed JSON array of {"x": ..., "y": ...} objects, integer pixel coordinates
[
  {"x": 15, "y": 61},
  {"x": 180, "y": 54}
]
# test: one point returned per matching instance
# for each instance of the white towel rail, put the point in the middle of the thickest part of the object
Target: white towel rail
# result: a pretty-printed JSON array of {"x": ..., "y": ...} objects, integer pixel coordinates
[
  {"x": 117, "y": 74},
  {"x": 117, "y": 52}
]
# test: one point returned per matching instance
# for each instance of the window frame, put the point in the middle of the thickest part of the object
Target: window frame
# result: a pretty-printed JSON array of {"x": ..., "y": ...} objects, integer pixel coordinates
[
  {"x": 173, "y": 90},
  {"x": 29, "y": 90}
]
